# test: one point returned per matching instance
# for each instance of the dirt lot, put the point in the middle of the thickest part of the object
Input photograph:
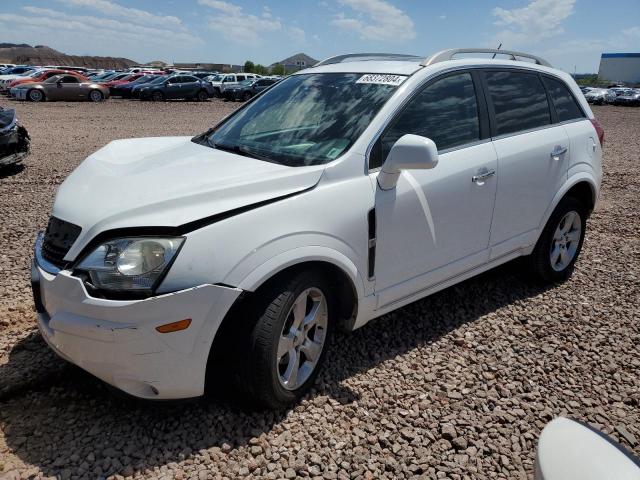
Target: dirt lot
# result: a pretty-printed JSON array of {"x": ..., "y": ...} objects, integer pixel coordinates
[{"x": 455, "y": 386}]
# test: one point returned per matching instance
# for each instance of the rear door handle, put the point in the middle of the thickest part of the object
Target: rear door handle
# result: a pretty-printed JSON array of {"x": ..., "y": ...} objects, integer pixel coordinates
[
  {"x": 482, "y": 176},
  {"x": 558, "y": 151}
]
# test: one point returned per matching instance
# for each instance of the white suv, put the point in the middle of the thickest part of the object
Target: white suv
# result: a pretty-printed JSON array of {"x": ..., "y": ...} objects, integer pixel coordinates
[{"x": 338, "y": 195}]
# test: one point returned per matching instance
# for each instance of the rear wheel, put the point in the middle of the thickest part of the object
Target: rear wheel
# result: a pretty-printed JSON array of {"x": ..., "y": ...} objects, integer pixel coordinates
[
  {"x": 285, "y": 348},
  {"x": 157, "y": 96},
  {"x": 559, "y": 246},
  {"x": 35, "y": 95},
  {"x": 96, "y": 96},
  {"x": 202, "y": 96}
]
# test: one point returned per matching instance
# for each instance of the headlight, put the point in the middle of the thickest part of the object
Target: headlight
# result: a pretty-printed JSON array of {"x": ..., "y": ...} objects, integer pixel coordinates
[{"x": 130, "y": 264}]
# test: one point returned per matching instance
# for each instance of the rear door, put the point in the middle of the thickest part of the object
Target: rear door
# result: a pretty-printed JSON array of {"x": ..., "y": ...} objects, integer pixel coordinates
[
  {"x": 533, "y": 154},
  {"x": 189, "y": 86}
]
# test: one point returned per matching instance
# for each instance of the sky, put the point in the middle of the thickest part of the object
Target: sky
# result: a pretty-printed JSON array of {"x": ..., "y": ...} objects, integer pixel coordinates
[{"x": 571, "y": 34}]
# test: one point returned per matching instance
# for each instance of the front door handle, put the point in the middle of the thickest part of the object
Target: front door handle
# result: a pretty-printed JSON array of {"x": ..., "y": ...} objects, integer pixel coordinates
[
  {"x": 482, "y": 176},
  {"x": 558, "y": 151}
]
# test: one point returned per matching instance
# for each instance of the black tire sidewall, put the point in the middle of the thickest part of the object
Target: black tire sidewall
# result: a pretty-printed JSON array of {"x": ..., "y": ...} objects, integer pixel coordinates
[
  {"x": 262, "y": 357},
  {"x": 202, "y": 96},
  {"x": 157, "y": 96},
  {"x": 541, "y": 261}
]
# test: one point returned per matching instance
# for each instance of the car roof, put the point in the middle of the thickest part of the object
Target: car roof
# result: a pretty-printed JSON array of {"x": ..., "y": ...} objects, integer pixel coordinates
[{"x": 409, "y": 67}]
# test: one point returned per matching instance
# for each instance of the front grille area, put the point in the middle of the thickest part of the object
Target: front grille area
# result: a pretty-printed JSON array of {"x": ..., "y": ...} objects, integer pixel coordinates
[{"x": 58, "y": 239}]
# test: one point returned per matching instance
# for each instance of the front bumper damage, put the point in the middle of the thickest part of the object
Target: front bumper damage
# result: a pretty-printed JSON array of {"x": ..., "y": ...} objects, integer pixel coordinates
[{"x": 117, "y": 341}]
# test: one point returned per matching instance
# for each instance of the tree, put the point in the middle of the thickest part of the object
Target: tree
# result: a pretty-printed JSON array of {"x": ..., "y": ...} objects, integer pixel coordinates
[
  {"x": 277, "y": 69},
  {"x": 249, "y": 67},
  {"x": 260, "y": 69}
]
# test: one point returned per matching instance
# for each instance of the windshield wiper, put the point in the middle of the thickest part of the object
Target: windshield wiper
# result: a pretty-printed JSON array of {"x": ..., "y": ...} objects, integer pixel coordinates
[{"x": 238, "y": 150}]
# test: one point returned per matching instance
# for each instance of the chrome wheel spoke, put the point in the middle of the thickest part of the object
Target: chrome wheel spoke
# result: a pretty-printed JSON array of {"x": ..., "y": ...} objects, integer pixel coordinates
[
  {"x": 290, "y": 375},
  {"x": 555, "y": 254},
  {"x": 311, "y": 350},
  {"x": 285, "y": 345},
  {"x": 565, "y": 241},
  {"x": 302, "y": 338},
  {"x": 573, "y": 236}
]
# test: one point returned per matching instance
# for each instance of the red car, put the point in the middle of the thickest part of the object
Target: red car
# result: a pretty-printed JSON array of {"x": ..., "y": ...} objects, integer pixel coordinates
[
  {"x": 42, "y": 76},
  {"x": 128, "y": 78}
]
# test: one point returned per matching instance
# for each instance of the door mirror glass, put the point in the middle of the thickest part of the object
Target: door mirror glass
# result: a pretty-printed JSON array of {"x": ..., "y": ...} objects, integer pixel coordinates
[{"x": 408, "y": 153}]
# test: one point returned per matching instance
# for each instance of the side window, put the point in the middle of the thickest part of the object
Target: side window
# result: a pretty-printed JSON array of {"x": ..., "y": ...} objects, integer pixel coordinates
[
  {"x": 446, "y": 111},
  {"x": 564, "y": 103},
  {"x": 519, "y": 101},
  {"x": 241, "y": 78},
  {"x": 175, "y": 80},
  {"x": 69, "y": 79},
  {"x": 189, "y": 79}
]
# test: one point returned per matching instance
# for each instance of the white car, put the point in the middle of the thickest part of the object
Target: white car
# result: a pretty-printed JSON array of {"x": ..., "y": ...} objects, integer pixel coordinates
[
  {"x": 223, "y": 80},
  {"x": 340, "y": 194}
]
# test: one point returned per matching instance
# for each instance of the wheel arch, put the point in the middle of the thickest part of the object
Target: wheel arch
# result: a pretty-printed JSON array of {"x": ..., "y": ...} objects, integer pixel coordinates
[{"x": 582, "y": 186}]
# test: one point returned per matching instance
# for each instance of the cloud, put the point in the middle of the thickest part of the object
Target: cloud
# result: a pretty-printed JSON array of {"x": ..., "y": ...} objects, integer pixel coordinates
[
  {"x": 540, "y": 19},
  {"x": 237, "y": 26},
  {"x": 375, "y": 20},
  {"x": 297, "y": 34},
  {"x": 100, "y": 35},
  {"x": 108, "y": 8}
]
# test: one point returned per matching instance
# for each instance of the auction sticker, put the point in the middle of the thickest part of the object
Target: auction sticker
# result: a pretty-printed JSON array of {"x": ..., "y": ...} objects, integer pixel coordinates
[{"x": 382, "y": 79}]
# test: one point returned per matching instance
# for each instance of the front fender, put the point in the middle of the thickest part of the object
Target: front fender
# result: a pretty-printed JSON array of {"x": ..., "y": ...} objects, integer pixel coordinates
[{"x": 312, "y": 253}]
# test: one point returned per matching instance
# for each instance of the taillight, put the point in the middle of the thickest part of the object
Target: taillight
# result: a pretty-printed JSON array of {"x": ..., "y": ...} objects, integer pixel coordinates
[{"x": 599, "y": 130}]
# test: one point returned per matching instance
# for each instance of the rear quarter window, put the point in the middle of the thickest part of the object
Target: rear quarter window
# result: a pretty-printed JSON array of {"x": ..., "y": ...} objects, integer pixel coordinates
[
  {"x": 565, "y": 104},
  {"x": 519, "y": 101}
]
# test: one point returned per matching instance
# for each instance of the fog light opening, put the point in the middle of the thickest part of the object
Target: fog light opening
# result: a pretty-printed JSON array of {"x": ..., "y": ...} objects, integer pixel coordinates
[{"x": 174, "y": 326}]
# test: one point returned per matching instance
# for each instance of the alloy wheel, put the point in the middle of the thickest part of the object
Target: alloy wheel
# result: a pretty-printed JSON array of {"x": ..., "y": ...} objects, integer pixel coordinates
[
  {"x": 36, "y": 95},
  {"x": 302, "y": 338},
  {"x": 565, "y": 241}
]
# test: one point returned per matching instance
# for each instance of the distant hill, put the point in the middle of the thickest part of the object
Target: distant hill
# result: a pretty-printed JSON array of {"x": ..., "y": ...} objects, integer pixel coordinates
[{"x": 43, "y": 55}]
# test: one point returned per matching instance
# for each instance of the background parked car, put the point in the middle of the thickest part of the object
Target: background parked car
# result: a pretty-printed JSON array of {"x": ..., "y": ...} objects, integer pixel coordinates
[
  {"x": 222, "y": 81},
  {"x": 129, "y": 78},
  {"x": 42, "y": 75},
  {"x": 135, "y": 89},
  {"x": 247, "y": 89},
  {"x": 628, "y": 98},
  {"x": 60, "y": 87},
  {"x": 14, "y": 138},
  {"x": 600, "y": 96},
  {"x": 178, "y": 86},
  {"x": 14, "y": 73},
  {"x": 124, "y": 89}
]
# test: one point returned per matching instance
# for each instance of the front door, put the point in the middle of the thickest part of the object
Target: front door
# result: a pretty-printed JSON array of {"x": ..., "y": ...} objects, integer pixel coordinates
[{"x": 435, "y": 224}]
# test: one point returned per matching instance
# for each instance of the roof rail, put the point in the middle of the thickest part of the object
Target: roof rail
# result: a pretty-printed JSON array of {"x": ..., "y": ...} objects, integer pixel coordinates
[
  {"x": 354, "y": 57},
  {"x": 445, "y": 55}
]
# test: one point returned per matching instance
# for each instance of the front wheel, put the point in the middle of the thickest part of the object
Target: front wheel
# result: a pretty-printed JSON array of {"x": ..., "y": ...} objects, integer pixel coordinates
[
  {"x": 246, "y": 96},
  {"x": 559, "y": 245},
  {"x": 157, "y": 97},
  {"x": 288, "y": 342}
]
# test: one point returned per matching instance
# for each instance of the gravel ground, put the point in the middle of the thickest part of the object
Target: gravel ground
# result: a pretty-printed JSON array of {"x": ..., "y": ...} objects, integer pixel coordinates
[{"x": 458, "y": 385}]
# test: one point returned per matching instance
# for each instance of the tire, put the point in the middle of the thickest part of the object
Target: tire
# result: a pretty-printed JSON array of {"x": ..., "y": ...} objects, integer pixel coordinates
[
  {"x": 202, "y": 96},
  {"x": 246, "y": 96},
  {"x": 96, "y": 96},
  {"x": 157, "y": 96},
  {"x": 35, "y": 95},
  {"x": 560, "y": 243},
  {"x": 268, "y": 358}
]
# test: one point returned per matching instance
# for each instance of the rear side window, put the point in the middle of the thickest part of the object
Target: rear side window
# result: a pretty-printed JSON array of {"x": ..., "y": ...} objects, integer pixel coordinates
[
  {"x": 446, "y": 111},
  {"x": 564, "y": 103},
  {"x": 519, "y": 101}
]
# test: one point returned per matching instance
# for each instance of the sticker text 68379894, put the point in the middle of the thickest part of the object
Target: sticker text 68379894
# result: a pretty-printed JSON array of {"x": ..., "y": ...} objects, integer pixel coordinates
[{"x": 382, "y": 79}]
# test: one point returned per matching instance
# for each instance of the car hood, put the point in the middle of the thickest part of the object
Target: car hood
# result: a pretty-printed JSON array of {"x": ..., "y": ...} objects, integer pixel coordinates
[
  {"x": 27, "y": 84},
  {"x": 168, "y": 182}
]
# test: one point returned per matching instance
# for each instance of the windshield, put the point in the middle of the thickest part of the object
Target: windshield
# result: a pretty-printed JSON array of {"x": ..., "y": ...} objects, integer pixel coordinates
[
  {"x": 158, "y": 79},
  {"x": 247, "y": 82},
  {"x": 306, "y": 119},
  {"x": 217, "y": 78},
  {"x": 53, "y": 79}
]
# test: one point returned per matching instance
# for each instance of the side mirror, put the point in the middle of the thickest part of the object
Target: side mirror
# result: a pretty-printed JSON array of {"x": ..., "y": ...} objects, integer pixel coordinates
[
  {"x": 408, "y": 153},
  {"x": 59, "y": 83}
]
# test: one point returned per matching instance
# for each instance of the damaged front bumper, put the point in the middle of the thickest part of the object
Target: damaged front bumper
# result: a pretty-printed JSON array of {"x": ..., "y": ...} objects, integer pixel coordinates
[{"x": 117, "y": 341}]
